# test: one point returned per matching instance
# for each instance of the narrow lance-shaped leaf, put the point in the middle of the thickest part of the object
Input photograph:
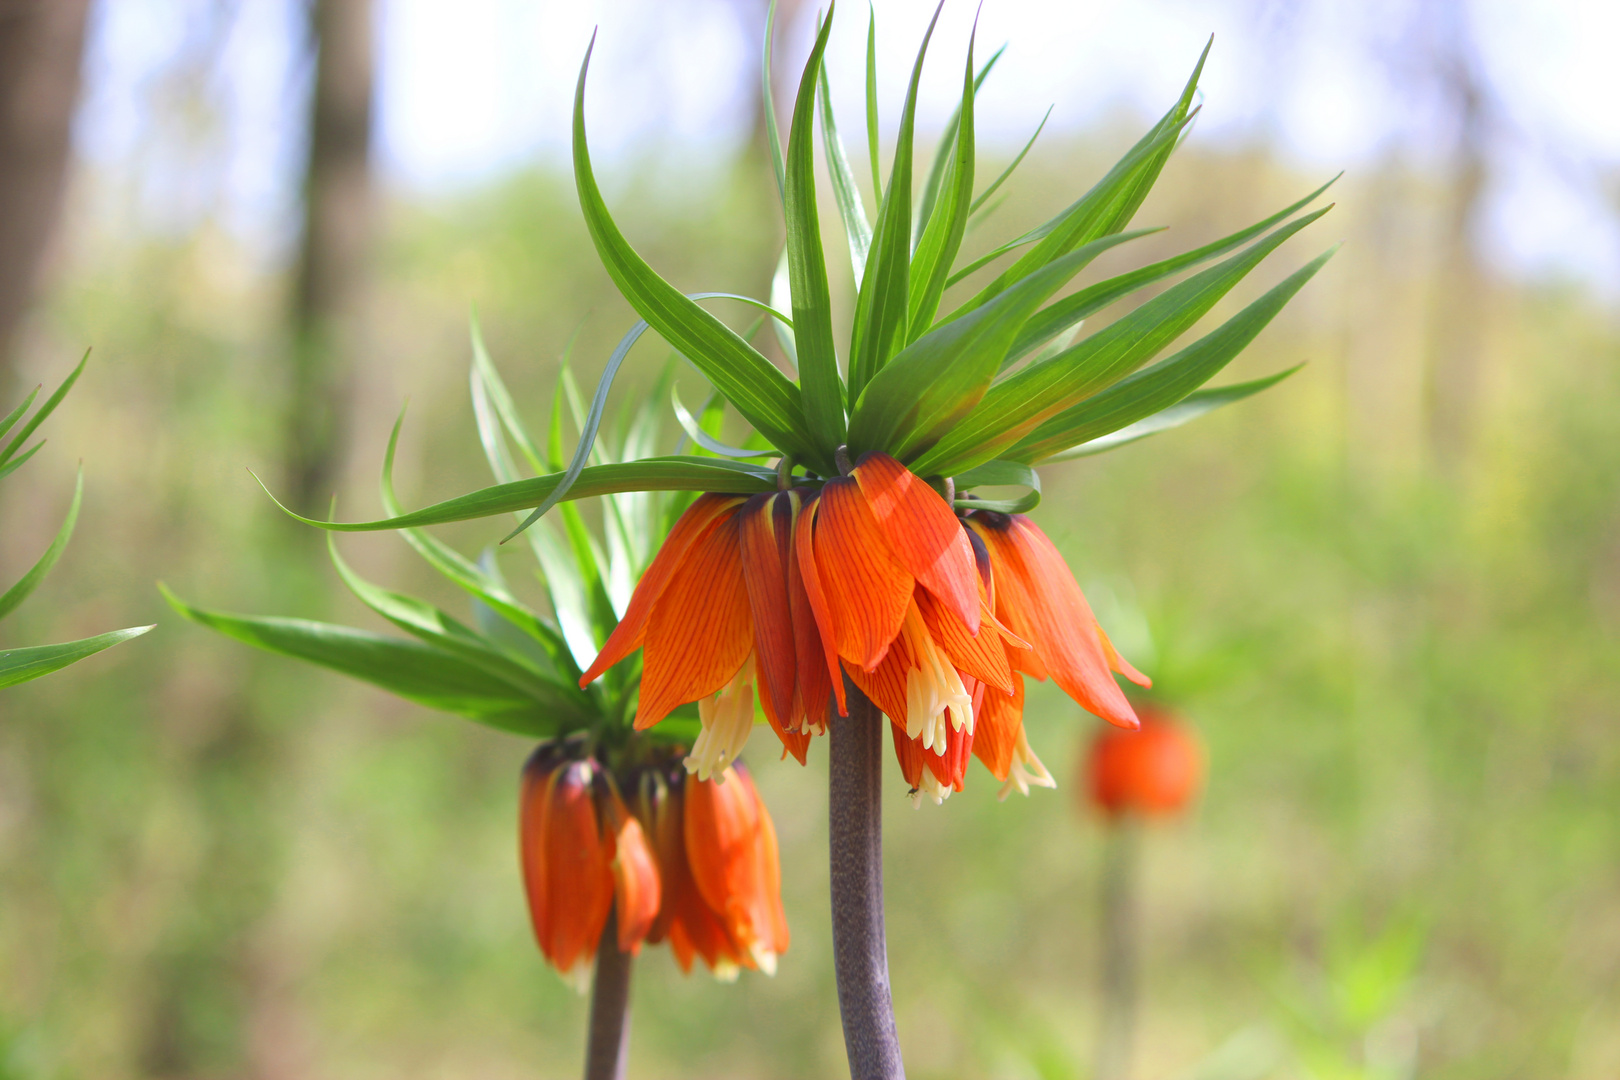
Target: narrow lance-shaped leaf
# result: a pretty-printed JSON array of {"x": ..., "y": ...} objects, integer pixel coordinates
[
  {"x": 471, "y": 578},
  {"x": 769, "y": 402},
  {"x": 1070, "y": 310},
  {"x": 995, "y": 184},
  {"x": 822, "y": 389},
  {"x": 21, "y": 665},
  {"x": 26, "y": 584},
  {"x": 872, "y": 104},
  {"x": 935, "y": 381},
  {"x": 767, "y": 101},
  {"x": 1095, "y": 212},
  {"x": 1189, "y": 408},
  {"x": 850, "y": 207},
  {"x": 1015, "y": 404},
  {"x": 408, "y": 669},
  {"x": 947, "y": 150},
  {"x": 649, "y": 474},
  {"x": 45, "y": 410},
  {"x": 942, "y": 230},
  {"x": 1167, "y": 382},
  {"x": 882, "y": 306}
]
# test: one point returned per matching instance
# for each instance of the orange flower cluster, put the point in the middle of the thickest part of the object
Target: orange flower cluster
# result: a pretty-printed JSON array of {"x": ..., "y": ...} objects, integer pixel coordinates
[
  {"x": 875, "y": 578},
  {"x": 690, "y": 861},
  {"x": 1153, "y": 771}
]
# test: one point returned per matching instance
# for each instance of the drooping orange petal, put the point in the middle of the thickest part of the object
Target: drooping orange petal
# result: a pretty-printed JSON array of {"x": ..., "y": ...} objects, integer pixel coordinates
[
  {"x": 636, "y": 886},
  {"x": 995, "y": 734},
  {"x": 692, "y": 527},
  {"x": 868, "y": 589},
  {"x": 1039, "y": 586},
  {"x": 773, "y": 924},
  {"x": 533, "y": 802},
  {"x": 700, "y": 630},
  {"x": 984, "y": 657},
  {"x": 804, "y": 552},
  {"x": 813, "y": 689},
  {"x": 1119, "y": 663},
  {"x": 885, "y": 684},
  {"x": 765, "y": 526},
  {"x": 733, "y": 866},
  {"x": 579, "y": 881},
  {"x": 909, "y": 753},
  {"x": 923, "y": 532}
]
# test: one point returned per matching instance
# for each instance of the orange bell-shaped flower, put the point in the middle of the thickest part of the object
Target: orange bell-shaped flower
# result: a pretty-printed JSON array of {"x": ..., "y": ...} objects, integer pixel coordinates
[
  {"x": 1154, "y": 771},
  {"x": 582, "y": 853}
]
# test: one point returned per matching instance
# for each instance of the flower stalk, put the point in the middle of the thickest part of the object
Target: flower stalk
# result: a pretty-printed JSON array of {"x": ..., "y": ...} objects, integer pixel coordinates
[
  {"x": 607, "y": 1042},
  {"x": 1117, "y": 1026},
  {"x": 860, "y": 954}
]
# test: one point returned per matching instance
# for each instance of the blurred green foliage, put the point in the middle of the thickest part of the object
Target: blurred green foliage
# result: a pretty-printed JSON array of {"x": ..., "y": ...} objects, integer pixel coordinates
[{"x": 215, "y": 863}]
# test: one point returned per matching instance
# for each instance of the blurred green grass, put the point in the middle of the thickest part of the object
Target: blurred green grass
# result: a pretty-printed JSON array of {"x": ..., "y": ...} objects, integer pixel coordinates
[{"x": 220, "y": 864}]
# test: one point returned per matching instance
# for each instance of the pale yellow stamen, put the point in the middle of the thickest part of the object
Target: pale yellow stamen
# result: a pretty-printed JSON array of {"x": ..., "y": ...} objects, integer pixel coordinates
[
  {"x": 728, "y": 719},
  {"x": 764, "y": 958},
  {"x": 1022, "y": 777},
  {"x": 933, "y": 688}
]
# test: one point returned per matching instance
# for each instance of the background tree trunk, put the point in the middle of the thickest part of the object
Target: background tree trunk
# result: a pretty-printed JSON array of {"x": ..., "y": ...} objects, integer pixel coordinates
[
  {"x": 332, "y": 261},
  {"x": 41, "y": 47}
]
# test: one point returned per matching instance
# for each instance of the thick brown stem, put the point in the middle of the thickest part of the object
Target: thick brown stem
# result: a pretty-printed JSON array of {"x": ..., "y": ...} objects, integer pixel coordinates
[
  {"x": 860, "y": 955},
  {"x": 607, "y": 1046},
  {"x": 1118, "y": 1022}
]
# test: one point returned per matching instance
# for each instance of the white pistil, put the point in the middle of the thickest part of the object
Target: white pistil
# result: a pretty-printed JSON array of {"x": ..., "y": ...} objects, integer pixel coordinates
[
  {"x": 933, "y": 687},
  {"x": 1022, "y": 778},
  {"x": 728, "y": 719}
]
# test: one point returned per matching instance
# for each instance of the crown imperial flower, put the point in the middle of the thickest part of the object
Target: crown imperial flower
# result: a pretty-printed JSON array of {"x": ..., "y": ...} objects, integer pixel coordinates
[{"x": 1155, "y": 771}]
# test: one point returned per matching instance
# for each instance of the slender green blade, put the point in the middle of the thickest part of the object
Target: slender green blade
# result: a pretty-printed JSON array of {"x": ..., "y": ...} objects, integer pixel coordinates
[
  {"x": 822, "y": 388},
  {"x": 20, "y": 460},
  {"x": 767, "y": 101},
  {"x": 45, "y": 410},
  {"x": 937, "y": 380},
  {"x": 947, "y": 150},
  {"x": 1110, "y": 204},
  {"x": 883, "y": 304},
  {"x": 21, "y": 665},
  {"x": 850, "y": 207},
  {"x": 10, "y": 419},
  {"x": 471, "y": 578},
  {"x": 1189, "y": 408},
  {"x": 36, "y": 573},
  {"x": 1070, "y": 310},
  {"x": 942, "y": 231},
  {"x": 1018, "y": 402},
  {"x": 1167, "y": 382},
  {"x": 995, "y": 185},
  {"x": 650, "y": 474},
  {"x": 872, "y": 104},
  {"x": 409, "y": 669},
  {"x": 769, "y": 402},
  {"x": 487, "y": 382}
]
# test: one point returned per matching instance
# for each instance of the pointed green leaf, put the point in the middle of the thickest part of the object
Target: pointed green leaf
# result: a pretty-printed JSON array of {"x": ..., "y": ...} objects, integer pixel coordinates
[
  {"x": 819, "y": 382},
  {"x": 850, "y": 207},
  {"x": 1167, "y": 382},
  {"x": 883, "y": 304},
  {"x": 20, "y": 460},
  {"x": 10, "y": 419},
  {"x": 767, "y": 101},
  {"x": 942, "y": 231},
  {"x": 1108, "y": 206},
  {"x": 995, "y": 185},
  {"x": 1188, "y": 408},
  {"x": 30, "y": 581},
  {"x": 21, "y": 665},
  {"x": 769, "y": 402},
  {"x": 937, "y": 380},
  {"x": 409, "y": 669},
  {"x": 947, "y": 149},
  {"x": 714, "y": 446},
  {"x": 44, "y": 410},
  {"x": 1072, "y": 309},
  {"x": 650, "y": 474},
  {"x": 1015, "y": 404},
  {"x": 872, "y": 104}
]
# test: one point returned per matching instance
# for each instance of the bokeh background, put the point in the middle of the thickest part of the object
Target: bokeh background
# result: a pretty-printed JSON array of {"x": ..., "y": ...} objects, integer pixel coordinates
[{"x": 1387, "y": 593}]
